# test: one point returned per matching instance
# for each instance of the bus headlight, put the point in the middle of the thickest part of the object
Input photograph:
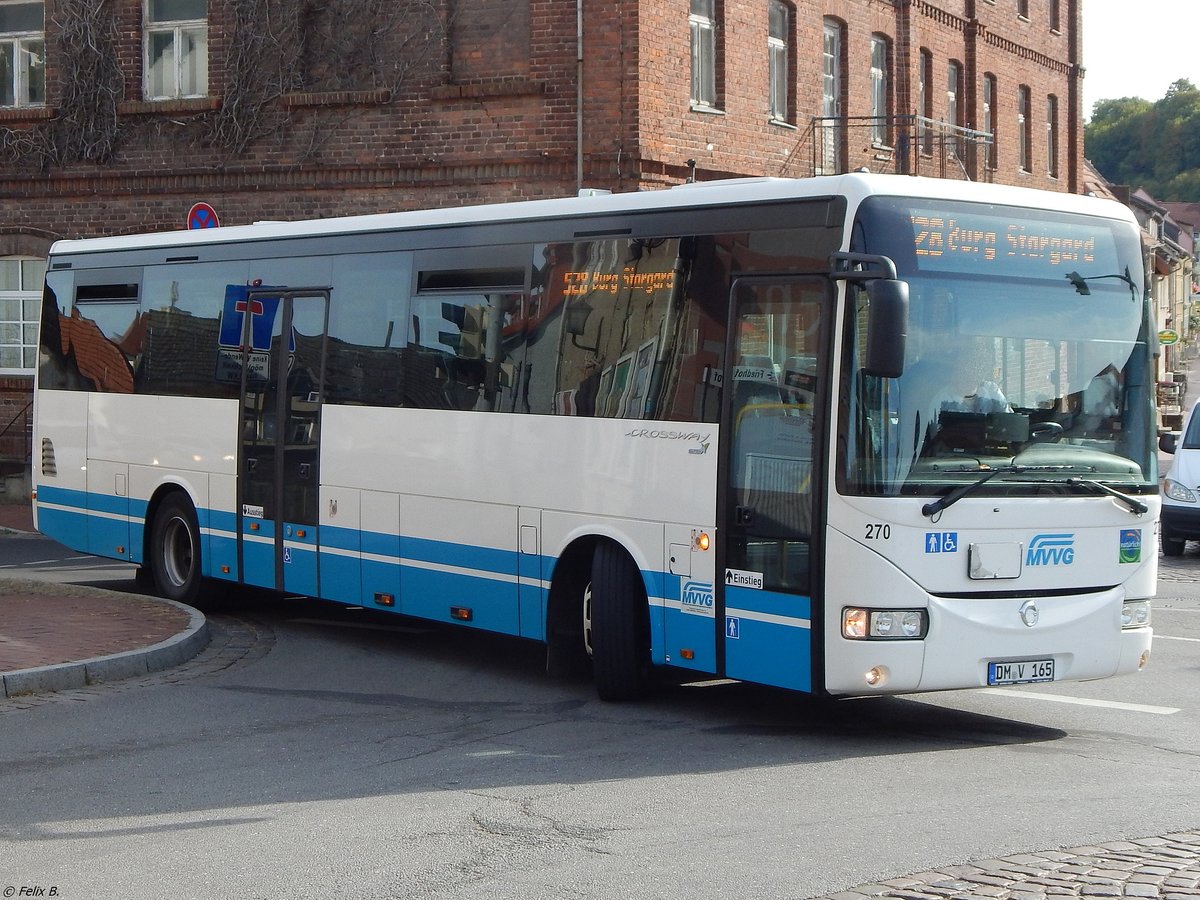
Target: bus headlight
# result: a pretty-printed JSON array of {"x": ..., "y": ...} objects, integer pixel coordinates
[
  {"x": 1177, "y": 491},
  {"x": 884, "y": 624},
  {"x": 1135, "y": 613}
]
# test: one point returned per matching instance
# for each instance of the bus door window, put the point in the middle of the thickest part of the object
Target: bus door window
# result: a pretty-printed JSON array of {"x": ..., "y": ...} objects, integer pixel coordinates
[
  {"x": 776, "y": 381},
  {"x": 304, "y": 384}
]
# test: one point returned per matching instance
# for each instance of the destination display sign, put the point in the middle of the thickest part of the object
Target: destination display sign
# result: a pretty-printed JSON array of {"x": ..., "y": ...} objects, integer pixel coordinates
[{"x": 1011, "y": 244}]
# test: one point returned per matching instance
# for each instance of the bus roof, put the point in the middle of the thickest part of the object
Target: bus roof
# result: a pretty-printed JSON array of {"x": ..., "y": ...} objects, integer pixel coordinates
[{"x": 726, "y": 192}]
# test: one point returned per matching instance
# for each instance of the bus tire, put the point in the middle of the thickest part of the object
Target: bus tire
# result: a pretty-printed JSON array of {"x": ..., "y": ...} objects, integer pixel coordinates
[
  {"x": 175, "y": 550},
  {"x": 620, "y": 626}
]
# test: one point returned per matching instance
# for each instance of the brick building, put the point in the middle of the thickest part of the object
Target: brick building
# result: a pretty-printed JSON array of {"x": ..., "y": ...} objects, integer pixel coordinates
[{"x": 117, "y": 116}]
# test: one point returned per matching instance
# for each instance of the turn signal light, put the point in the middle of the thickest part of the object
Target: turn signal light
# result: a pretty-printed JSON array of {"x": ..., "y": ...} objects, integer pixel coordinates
[{"x": 462, "y": 613}]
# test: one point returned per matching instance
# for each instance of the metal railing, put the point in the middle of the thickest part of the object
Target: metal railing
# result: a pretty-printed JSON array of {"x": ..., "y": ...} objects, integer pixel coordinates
[
  {"x": 900, "y": 145},
  {"x": 16, "y": 447}
]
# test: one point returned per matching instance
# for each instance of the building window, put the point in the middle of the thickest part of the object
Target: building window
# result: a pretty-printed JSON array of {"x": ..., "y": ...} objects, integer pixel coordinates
[
  {"x": 1052, "y": 136},
  {"x": 1023, "y": 8},
  {"x": 703, "y": 22},
  {"x": 989, "y": 117},
  {"x": 22, "y": 54},
  {"x": 778, "y": 41},
  {"x": 880, "y": 58},
  {"x": 953, "y": 89},
  {"x": 1023, "y": 128},
  {"x": 831, "y": 98},
  {"x": 177, "y": 49},
  {"x": 953, "y": 110},
  {"x": 1055, "y": 13},
  {"x": 20, "y": 307},
  {"x": 925, "y": 101}
]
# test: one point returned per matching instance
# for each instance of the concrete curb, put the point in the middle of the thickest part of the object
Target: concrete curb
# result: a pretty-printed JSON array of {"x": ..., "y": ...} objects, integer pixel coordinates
[{"x": 65, "y": 676}]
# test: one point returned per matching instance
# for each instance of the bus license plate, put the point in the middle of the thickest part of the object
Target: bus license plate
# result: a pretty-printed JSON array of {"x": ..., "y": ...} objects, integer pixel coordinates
[{"x": 1026, "y": 671}]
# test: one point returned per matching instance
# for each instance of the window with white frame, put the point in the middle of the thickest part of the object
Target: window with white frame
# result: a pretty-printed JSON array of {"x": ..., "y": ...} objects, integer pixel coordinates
[
  {"x": 176, "y": 40},
  {"x": 953, "y": 89},
  {"x": 831, "y": 97},
  {"x": 778, "y": 32},
  {"x": 879, "y": 89},
  {"x": 703, "y": 23},
  {"x": 1052, "y": 136},
  {"x": 989, "y": 116},
  {"x": 22, "y": 53},
  {"x": 20, "y": 308},
  {"x": 925, "y": 100},
  {"x": 1024, "y": 123}
]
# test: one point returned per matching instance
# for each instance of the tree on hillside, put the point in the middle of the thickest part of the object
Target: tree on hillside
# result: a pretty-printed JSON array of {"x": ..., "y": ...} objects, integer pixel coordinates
[{"x": 1155, "y": 146}]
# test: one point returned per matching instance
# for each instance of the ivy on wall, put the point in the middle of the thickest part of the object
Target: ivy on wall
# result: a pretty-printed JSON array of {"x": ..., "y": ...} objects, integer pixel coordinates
[{"x": 271, "y": 49}]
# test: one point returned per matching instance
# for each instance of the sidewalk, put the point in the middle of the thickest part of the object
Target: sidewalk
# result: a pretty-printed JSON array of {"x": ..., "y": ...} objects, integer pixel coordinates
[{"x": 55, "y": 637}]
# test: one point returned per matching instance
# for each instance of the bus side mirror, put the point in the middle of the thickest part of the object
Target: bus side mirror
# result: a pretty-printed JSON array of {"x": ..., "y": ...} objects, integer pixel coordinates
[
  {"x": 887, "y": 327},
  {"x": 1168, "y": 442}
]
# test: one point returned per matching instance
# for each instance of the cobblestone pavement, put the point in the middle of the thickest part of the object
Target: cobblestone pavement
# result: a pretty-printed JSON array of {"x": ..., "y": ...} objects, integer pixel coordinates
[{"x": 1158, "y": 868}]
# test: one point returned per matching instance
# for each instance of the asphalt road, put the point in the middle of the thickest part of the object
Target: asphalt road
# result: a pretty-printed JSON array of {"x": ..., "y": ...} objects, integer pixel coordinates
[{"x": 315, "y": 752}]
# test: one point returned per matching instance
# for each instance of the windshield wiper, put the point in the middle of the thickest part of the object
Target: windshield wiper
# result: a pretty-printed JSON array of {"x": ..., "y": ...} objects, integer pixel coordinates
[
  {"x": 934, "y": 507},
  {"x": 1133, "y": 503}
]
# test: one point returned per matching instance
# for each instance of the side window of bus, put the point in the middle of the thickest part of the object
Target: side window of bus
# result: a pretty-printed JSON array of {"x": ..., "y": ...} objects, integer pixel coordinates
[
  {"x": 459, "y": 354},
  {"x": 175, "y": 348},
  {"x": 457, "y": 359},
  {"x": 612, "y": 300},
  {"x": 97, "y": 339},
  {"x": 368, "y": 327}
]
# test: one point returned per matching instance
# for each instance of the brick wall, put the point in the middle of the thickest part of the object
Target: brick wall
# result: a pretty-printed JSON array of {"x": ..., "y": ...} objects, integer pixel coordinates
[
  {"x": 15, "y": 415},
  {"x": 490, "y": 112},
  {"x": 982, "y": 35},
  {"x": 489, "y": 109}
]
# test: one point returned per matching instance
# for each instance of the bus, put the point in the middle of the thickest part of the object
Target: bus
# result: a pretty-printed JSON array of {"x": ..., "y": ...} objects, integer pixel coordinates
[{"x": 704, "y": 427}]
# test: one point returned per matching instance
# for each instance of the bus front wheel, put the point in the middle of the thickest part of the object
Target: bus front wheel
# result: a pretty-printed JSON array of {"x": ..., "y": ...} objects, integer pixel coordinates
[
  {"x": 175, "y": 550},
  {"x": 617, "y": 625}
]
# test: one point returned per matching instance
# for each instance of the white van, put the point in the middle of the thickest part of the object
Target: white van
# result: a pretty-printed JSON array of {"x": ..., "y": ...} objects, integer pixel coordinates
[{"x": 1181, "y": 486}]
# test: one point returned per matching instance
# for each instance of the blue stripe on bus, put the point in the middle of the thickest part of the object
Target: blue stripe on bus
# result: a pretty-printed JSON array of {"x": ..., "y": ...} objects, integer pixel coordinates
[
  {"x": 460, "y": 556},
  {"x": 775, "y": 649},
  {"x": 486, "y": 580},
  {"x": 103, "y": 503}
]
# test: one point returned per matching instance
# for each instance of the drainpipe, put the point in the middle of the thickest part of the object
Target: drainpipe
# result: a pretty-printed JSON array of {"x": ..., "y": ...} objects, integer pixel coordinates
[{"x": 578, "y": 95}]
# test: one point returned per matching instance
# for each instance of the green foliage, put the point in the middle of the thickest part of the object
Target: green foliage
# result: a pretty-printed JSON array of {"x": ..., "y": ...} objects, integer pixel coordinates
[{"x": 1155, "y": 146}]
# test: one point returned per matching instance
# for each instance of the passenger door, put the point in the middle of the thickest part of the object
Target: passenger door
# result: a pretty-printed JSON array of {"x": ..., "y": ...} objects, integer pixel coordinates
[
  {"x": 283, "y": 366},
  {"x": 772, "y": 473}
]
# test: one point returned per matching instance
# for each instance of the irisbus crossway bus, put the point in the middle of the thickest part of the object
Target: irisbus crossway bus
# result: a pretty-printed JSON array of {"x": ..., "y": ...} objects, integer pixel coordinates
[{"x": 846, "y": 435}]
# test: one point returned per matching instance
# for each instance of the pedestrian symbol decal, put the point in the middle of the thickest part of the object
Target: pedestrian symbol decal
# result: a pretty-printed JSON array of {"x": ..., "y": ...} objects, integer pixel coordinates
[{"x": 941, "y": 542}]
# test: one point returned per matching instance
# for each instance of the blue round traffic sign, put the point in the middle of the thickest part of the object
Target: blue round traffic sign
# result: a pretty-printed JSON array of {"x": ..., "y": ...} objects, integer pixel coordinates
[{"x": 201, "y": 215}]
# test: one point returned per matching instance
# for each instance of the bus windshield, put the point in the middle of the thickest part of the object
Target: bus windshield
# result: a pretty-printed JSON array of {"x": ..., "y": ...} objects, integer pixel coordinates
[{"x": 1027, "y": 354}]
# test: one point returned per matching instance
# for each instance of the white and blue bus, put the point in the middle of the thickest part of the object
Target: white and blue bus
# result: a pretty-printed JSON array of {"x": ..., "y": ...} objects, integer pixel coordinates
[{"x": 724, "y": 427}]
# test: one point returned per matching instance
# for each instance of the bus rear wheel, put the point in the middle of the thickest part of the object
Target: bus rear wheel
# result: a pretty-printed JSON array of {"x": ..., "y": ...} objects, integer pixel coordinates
[
  {"x": 175, "y": 550},
  {"x": 617, "y": 625}
]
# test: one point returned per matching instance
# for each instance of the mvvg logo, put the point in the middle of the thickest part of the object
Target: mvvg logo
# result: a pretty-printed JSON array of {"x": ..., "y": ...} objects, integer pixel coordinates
[
  {"x": 1051, "y": 550},
  {"x": 697, "y": 597}
]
